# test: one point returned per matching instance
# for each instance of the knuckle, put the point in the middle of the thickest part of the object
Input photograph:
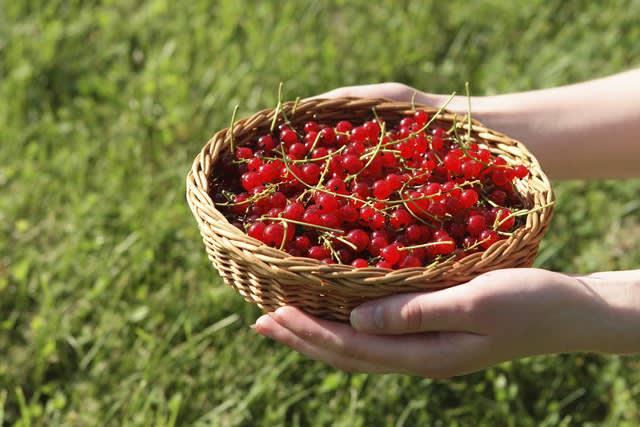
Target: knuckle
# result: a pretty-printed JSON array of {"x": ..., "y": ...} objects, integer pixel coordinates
[
  {"x": 411, "y": 316},
  {"x": 471, "y": 305},
  {"x": 475, "y": 300}
]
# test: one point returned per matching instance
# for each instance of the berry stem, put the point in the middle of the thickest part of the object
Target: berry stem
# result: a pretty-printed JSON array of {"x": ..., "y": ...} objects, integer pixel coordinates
[
  {"x": 327, "y": 242},
  {"x": 295, "y": 106},
  {"x": 433, "y": 218},
  {"x": 285, "y": 225},
  {"x": 232, "y": 144},
  {"x": 346, "y": 242},
  {"x": 305, "y": 224},
  {"x": 307, "y": 160},
  {"x": 315, "y": 141},
  {"x": 320, "y": 187},
  {"x": 373, "y": 155},
  {"x": 423, "y": 245},
  {"x": 278, "y": 107},
  {"x": 466, "y": 86},
  {"x": 437, "y": 113},
  {"x": 521, "y": 212},
  {"x": 269, "y": 189}
]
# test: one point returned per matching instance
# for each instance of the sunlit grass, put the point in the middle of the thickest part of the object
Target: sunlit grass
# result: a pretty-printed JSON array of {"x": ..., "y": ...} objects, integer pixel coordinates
[{"x": 110, "y": 312}]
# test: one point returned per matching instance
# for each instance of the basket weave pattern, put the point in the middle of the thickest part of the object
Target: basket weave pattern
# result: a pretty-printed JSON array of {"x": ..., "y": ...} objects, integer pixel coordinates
[{"x": 271, "y": 278}]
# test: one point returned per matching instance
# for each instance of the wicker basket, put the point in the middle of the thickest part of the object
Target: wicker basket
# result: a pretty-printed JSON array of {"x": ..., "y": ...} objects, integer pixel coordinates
[{"x": 271, "y": 278}]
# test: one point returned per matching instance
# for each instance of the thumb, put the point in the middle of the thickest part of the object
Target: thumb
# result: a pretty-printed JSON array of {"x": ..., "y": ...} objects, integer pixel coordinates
[{"x": 445, "y": 310}]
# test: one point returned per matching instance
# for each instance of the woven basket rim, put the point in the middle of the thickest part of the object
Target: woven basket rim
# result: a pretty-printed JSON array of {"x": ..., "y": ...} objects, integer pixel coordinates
[{"x": 391, "y": 104}]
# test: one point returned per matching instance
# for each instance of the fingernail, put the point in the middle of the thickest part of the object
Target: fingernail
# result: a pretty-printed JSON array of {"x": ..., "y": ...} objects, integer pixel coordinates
[
  {"x": 367, "y": 317},
  {"x": 259, "y": 322}
]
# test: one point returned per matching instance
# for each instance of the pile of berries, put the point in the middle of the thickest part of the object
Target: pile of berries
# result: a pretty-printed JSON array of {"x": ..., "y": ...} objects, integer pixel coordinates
[{"x": 370, "y": 193}]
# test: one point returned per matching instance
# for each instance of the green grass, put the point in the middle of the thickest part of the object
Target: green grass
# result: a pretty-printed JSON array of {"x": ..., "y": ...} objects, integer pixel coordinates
[{"x": 110, "y": 313}]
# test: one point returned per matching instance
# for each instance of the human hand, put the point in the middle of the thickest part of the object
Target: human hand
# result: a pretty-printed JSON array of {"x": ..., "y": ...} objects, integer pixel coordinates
[
  {"x": 393, "y": 91},
  {"x": 390, "y": 90},
  {"x": 501, "y": 315},
  {"x": 562, "y": 126}
]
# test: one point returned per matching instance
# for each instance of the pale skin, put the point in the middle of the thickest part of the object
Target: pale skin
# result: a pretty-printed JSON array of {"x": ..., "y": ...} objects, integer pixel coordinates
[{"x": 587, "y": 130}]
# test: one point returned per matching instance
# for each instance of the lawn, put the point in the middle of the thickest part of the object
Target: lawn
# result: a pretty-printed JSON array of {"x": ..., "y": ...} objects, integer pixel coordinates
[{"x": 110, "y": 312}]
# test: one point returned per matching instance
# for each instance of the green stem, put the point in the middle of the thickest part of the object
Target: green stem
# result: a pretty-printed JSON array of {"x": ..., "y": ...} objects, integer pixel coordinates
[
  {"x": 327, "y": 243},
  {"x": 268, "y": 190},
  {"x": 422, "y": 245},
  {"x": 517, "y": 213},
  {"x": 305, "y": 224},
  {"x": 232, "y": 143},
  {"x": 466, "y": 86},
  {"x": 373, "y": 155},
  {"x": 278, "y": 107},
  {"x": 346, "y": 242}
]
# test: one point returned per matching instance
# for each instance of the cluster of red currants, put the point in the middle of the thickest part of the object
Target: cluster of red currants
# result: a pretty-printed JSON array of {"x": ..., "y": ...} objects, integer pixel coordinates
[{"x": 365, "y": 195}]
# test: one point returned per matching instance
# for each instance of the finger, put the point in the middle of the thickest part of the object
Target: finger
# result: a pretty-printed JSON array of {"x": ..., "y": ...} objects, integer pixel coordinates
[
  {"x": 362, "y": 91},
  {"x": 391, "y": 90},
  {"x": 431, "y": 354},
  {"x": 449, "y": 309},
  {"x": 267, "y": 326}
]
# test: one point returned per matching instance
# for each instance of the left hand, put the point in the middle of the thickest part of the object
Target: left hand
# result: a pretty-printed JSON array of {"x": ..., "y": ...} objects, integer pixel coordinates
[
  {"x": 390, "y": 90},
  {"x": 498, "y": 316}
]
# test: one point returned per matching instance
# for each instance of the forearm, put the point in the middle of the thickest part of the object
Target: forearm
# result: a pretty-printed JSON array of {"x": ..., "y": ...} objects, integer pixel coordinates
[
  {"x": 585, "y": 130},
  {"x": 617, "y": 328}
]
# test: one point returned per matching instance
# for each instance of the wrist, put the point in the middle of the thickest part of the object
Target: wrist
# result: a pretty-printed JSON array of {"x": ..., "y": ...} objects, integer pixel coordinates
[
  {"x": 616, "y": 324},
  {"x": 504, "y": 113}
]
